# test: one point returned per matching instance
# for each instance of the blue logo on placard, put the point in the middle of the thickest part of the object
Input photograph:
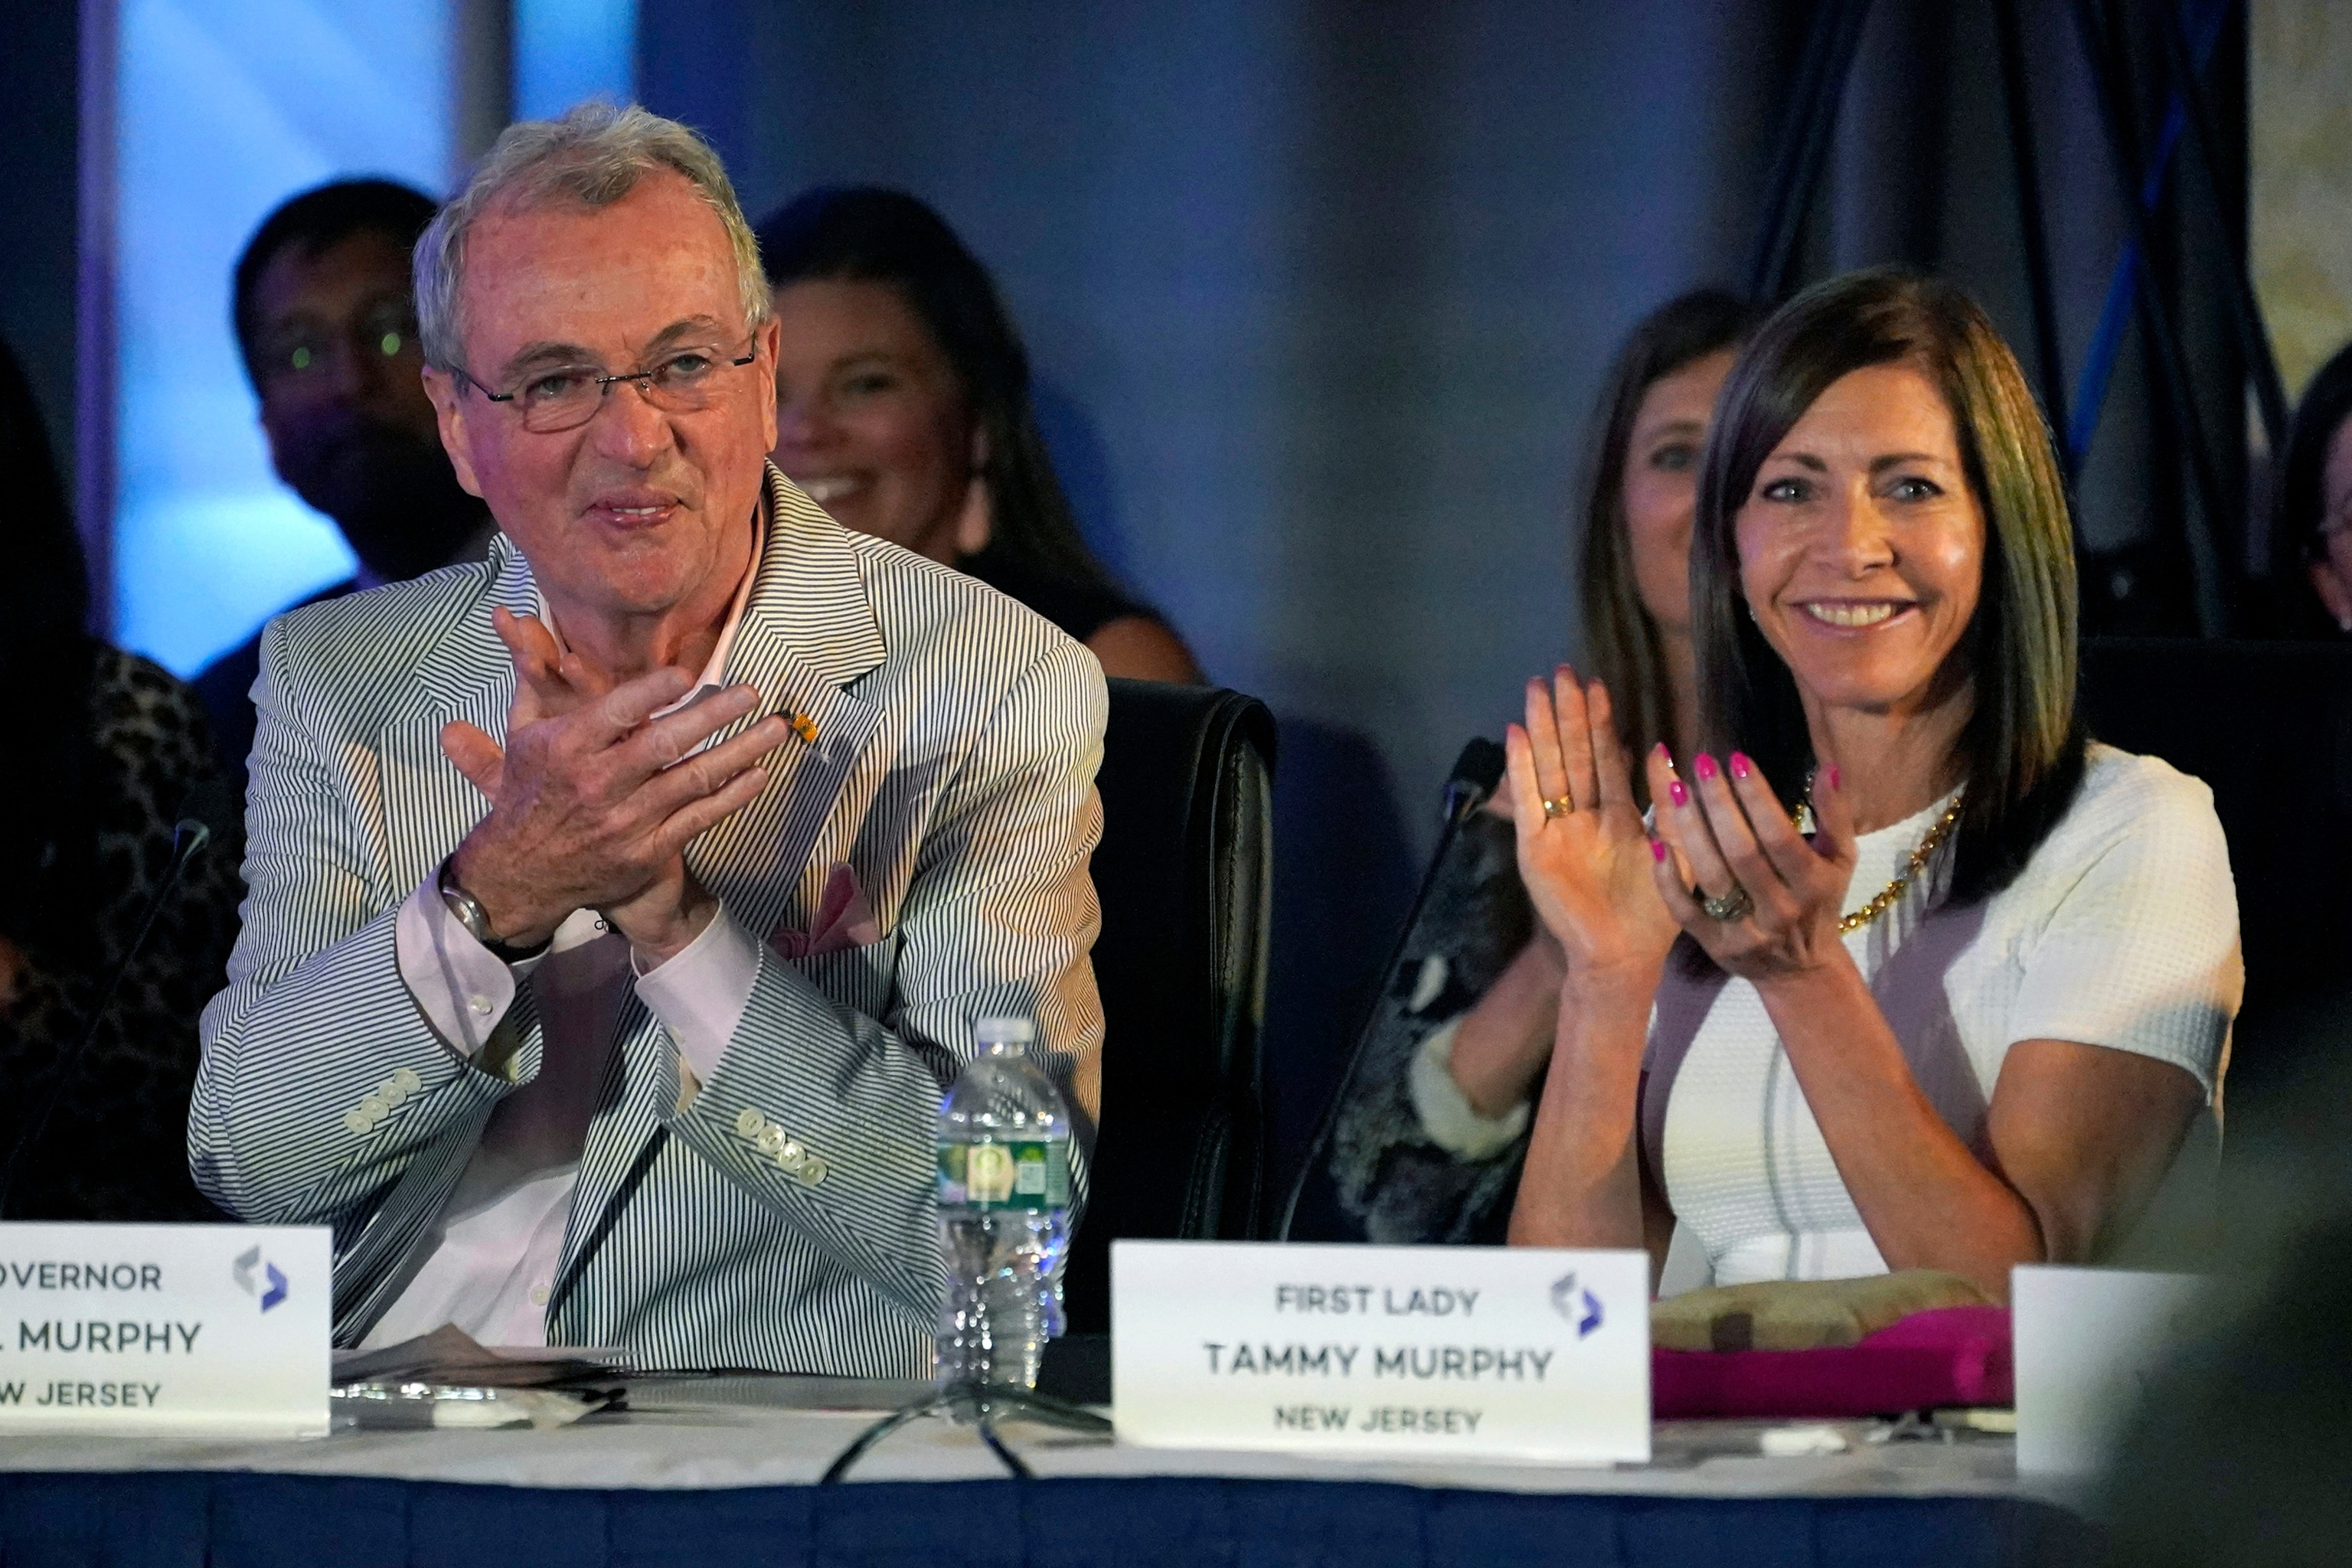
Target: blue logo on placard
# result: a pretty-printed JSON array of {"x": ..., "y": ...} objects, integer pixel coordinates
[
  {"x": 1582, "y": 1308},
  {"x": 247, "y": 1262}
]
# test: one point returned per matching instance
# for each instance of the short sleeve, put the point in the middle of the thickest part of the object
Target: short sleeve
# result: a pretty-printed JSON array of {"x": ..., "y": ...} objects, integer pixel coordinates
[{"x": 2140, "y": 951}]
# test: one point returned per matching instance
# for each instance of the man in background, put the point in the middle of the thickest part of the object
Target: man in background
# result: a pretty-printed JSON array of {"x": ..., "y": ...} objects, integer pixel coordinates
[{"x": 327, "y": 324}]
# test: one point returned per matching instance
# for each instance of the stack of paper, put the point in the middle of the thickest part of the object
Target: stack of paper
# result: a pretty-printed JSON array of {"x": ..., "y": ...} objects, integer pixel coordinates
[{"x": 450, "y": 1356}]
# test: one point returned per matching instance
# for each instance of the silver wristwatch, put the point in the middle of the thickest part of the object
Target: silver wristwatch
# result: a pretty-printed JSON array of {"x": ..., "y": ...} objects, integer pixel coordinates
[{"x": 467, "y": 911}]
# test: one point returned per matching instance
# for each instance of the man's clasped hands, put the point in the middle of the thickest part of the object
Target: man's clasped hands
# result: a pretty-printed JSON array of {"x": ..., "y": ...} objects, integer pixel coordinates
[{"x": 598, "y": 790}]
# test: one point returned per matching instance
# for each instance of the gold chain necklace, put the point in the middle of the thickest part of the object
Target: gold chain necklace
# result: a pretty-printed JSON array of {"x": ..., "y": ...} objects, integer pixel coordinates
[{"x": 1853, "y": 921}]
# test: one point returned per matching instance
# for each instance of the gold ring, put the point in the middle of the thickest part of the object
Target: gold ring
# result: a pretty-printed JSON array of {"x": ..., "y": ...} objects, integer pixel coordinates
[{"x": 1559, "y": 805}]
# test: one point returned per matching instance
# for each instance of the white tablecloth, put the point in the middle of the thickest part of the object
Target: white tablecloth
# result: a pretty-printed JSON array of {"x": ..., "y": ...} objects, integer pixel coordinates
[{"x": 785, "y": 1431}]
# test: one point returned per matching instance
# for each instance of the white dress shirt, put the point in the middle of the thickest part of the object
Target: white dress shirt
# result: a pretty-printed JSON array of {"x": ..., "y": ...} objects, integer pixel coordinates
[{"x": 489, "y": 1264}]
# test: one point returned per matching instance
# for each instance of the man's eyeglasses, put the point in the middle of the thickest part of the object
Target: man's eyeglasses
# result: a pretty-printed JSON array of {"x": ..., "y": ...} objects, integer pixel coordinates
[
  {"x": 302, "y": 351},
  {"x": 564, "y": 397}
]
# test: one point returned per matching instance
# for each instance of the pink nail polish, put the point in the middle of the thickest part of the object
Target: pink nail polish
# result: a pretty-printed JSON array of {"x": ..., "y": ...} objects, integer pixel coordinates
[
  {"x": 1703, "y": 767},
  {"x": 1677, "y": 793},
  {"x": 1740, "y": 766},
  {"x": 1658, "y": 851}
]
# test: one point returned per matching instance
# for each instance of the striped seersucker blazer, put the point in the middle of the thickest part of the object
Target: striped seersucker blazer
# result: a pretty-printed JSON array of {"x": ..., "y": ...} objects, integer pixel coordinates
[{"x": 953, "y": 765}]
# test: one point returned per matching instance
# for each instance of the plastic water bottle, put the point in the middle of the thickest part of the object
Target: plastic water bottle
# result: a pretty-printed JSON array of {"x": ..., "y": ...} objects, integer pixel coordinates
[{"x": 1005, "y": 1211}]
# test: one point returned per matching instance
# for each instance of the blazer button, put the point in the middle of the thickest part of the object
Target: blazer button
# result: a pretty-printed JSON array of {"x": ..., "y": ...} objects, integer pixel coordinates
[
  {"x": 811, "y": 1170},
  {"x": 406, "y": 1081},
  {"x": 359, "y": 1122},
  {"x": 748, "y": 1123}
]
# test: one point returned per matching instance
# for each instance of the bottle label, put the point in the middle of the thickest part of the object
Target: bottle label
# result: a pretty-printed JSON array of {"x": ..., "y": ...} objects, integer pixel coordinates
[{"x": 1025, "y": 1175}]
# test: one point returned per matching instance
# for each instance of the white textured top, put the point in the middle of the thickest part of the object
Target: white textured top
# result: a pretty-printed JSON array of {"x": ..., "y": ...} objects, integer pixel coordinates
[{"x": 2121, "y": 931}]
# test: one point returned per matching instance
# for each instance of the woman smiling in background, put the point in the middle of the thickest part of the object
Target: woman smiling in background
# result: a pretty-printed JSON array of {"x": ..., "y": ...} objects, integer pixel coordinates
[
  {"x": 1406, "y": 1160},
  {"x": 902, "y": 408},
  {"x": 1968, "y": 1023},
  {"x": 1634, "y": 562}
]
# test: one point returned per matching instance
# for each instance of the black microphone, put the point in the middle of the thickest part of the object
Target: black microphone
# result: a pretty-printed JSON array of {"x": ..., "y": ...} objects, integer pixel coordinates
[
  {"x": 1475, "y": 774},
  {"x": 210, "y": 808},
  {"x": 213, "y": 804}
]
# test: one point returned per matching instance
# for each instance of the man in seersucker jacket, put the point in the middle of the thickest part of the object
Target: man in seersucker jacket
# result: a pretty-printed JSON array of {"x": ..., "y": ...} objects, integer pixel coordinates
[{"x": 619, "y": 906}]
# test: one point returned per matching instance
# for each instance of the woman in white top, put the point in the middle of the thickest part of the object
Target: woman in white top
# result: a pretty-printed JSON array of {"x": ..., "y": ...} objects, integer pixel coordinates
[{"x": 1967, "y": 1022}]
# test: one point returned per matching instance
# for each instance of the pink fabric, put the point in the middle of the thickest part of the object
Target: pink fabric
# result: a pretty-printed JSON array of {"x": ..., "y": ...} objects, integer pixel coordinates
[
  {"x": 843, "y": 920},
  {"x": 1954, "y": 1355},
  {"x": 699, "y": 993}
]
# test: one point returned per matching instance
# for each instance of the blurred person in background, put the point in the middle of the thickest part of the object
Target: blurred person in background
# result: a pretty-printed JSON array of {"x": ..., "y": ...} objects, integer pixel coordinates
[
  {"x": 104, "y": 750},
  {"x": 327, "y": 325},
  {"x": 2242, "y": 1456},
  {"x": 1641, "y": 484},
  {"x": 1633, "y": 563},
  {"x": 2314, "y": 517},
  {"x": 902, "y": 403},
  {"x": 2241, "y": 1451}
]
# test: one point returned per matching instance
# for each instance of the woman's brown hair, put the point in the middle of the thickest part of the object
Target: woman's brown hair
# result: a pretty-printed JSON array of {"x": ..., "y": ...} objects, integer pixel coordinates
[
  {"x": 871, "y": 234},
  {"x": 2022, "y": 746},
  {"x": 1621, "y": 641}
]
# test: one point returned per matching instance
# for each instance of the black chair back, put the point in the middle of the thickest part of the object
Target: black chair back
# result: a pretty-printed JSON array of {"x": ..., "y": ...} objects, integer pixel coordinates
[
  {"x": 2268, "y": 727},
  {"x": 1184, "y": 872}
]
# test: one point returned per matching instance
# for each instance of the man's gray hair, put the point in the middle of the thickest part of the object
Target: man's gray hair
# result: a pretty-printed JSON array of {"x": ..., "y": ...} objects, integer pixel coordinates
[{"x": 594, "y": 155}]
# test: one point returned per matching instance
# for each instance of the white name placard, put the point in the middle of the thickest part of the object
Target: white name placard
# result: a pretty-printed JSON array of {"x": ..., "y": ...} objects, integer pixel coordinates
[
  {"x": 2089, "y": 1342},
  {"x": 1458, "y": 1352},
  {"x": 221, "y": 1328}
]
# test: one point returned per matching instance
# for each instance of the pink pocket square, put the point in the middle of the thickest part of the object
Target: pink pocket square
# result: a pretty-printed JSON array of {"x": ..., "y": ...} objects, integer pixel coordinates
[{"x": 843, "y": 921}]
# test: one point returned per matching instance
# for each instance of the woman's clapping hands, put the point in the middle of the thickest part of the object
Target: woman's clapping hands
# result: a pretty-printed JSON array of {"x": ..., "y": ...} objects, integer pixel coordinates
[
  {"x": 1612, "y": 898},
  {"x": 1587, "y": 863},
  {"x": 1733, "y": 843}
]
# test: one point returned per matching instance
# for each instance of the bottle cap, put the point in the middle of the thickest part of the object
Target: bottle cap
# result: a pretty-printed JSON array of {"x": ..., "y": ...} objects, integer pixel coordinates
[{"x": 1004, "y": 1031}]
